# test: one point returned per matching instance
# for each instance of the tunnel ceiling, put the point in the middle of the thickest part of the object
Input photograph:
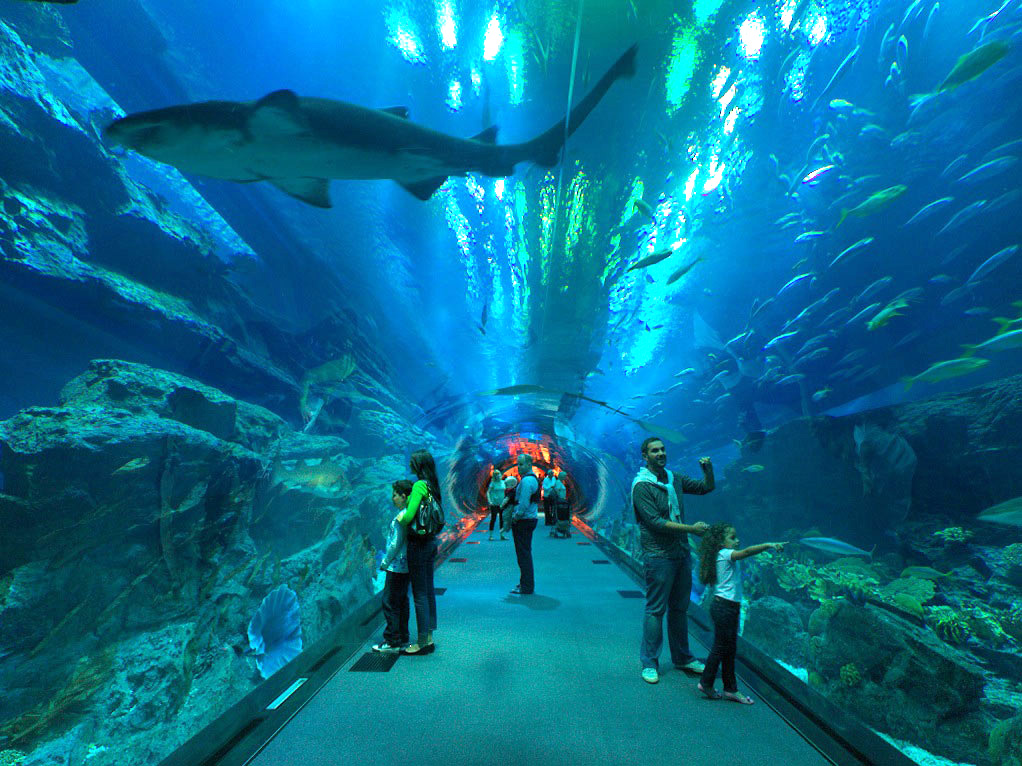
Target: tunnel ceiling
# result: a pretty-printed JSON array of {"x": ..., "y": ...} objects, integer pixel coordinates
[{"x": 526, "y": 303}]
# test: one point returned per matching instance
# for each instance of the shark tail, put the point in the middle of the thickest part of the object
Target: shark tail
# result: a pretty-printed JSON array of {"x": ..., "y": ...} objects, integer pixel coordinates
[{"x": 545, "y": 149}]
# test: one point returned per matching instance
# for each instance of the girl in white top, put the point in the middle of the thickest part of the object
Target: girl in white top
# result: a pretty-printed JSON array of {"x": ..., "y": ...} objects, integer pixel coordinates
[{"x": 718, "y": 566}]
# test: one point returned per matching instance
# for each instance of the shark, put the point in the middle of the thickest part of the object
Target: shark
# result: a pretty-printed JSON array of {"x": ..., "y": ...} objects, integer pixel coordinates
[{"x": 299, "y": 144}]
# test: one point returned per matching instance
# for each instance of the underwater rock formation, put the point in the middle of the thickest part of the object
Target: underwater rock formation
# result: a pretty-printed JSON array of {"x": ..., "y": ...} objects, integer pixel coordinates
[
  {"x": 775, "y": 627},
  {"x": 815, "y": 477},
  {"x": 911, "y": 685},
  {"x": 145, "y": 519}
]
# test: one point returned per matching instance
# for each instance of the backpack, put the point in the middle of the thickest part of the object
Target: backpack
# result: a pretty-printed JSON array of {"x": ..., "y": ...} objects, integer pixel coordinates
[
  {"x": 429, "y": 518},
  {"x": 535, "y": 496}
]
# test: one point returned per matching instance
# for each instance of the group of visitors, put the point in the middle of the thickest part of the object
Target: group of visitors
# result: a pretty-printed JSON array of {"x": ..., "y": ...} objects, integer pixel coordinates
[{"x": 667, "y": 569}]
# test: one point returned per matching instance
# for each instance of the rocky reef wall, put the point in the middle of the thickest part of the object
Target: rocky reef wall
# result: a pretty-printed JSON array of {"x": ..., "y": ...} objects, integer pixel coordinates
[
  {"x": 145, "y": 518},
  {"x": 966, "y": 455}
]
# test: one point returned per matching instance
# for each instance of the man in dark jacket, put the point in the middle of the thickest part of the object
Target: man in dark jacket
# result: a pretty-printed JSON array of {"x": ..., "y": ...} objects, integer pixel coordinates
[{"x": 656, "y": 500}]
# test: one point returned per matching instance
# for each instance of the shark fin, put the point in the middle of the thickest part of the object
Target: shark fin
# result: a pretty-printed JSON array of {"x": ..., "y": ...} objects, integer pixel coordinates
[
  {"x": 397, "y": 111},
  {"x": 278, "y": 112},
  {"x": 424, "y": 189},
  {"x": 488, "y": 136},
  {"x": 314, "y": 191}
]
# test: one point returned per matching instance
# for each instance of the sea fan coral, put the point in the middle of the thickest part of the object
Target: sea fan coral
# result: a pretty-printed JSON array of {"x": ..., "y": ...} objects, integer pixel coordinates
[{"x": 275, "y": 631}]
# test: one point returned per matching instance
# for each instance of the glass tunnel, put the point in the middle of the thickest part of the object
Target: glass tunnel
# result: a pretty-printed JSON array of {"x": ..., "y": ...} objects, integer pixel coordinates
[{"x": 254, "y": 258}]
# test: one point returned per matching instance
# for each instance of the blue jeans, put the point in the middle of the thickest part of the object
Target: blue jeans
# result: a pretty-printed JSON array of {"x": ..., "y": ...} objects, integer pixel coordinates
[
  {"x": 522, "y": 531},
  {"x": 421, "y": 562},
  {"x": 668, "y": 587}
]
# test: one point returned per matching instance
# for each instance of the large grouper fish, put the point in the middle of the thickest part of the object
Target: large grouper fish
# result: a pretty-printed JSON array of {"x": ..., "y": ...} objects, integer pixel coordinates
[{"x": 299, "y": 144}]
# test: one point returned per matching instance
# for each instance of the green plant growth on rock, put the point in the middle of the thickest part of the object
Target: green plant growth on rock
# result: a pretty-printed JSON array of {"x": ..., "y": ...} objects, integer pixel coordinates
[
  {"x": 984, "y": 625},
  {"x": 1012, "y": 622},
  {"x": 850, "y": 675},
  {"x": 948, "y": 624},
  {"x": 954, "y": 535},
  {"x": 1005, "y": 743},
  {"x": 12, "y": 757},
  {"x": 90, "y": 674}
]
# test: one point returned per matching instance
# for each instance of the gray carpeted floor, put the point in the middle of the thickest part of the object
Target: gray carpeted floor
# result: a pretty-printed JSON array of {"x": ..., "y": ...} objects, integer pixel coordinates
[{"x": 551, "y": 678}]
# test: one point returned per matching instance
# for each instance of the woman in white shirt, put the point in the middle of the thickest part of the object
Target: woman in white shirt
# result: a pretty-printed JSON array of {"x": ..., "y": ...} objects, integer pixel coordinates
[{"x": 718, "y": 567}]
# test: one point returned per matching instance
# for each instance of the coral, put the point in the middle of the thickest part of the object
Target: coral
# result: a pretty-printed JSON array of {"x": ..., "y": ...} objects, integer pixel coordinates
[
  {"x": 916, "y": 588},
  {"x": 818, "y": 619},
  {"x": 954, "y": 535},
  {"x": 853, "y": 565},
  {"x": 819, "y": 590},
  {"x": 816, "y": 680},
  {"x": 275, "y": 631},
  {"x": 985, "y": 626},
  {"x": 856, "y": 589},
  {"x": 11, "y": 757},
  {"x": 850, "y": 675},
  {"x": 948, "y": 624},
  {"x": 795, "y": 576}
]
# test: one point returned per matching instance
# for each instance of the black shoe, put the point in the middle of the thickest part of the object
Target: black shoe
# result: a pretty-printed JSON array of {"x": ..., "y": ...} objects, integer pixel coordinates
[
  {"x": 517, "y": 590},
  {"x": 427, "y": 649}
]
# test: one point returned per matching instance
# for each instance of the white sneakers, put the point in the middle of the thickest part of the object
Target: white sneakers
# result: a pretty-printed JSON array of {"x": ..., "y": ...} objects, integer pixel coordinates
[{"x": 651, "y": 676}]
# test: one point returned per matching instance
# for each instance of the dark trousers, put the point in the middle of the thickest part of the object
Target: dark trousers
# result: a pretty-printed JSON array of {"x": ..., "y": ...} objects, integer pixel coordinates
[
  {"x": 522, "y": 531},
  {"x": 725, "y": 615},
  {"x": 495, "y": 511},
  {"x": 395, "y": 608},
  {"x": 421, "y": 562},
  {"x": 548, "y": 511},
  {"x": 668, "y": 589}
]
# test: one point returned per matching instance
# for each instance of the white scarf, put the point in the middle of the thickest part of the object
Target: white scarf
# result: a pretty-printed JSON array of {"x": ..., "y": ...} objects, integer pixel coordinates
[{"x": 672, "y": 494}]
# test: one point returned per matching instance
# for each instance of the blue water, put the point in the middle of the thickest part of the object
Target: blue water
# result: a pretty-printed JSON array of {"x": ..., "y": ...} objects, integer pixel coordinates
[{"x": 445, "y": 305}]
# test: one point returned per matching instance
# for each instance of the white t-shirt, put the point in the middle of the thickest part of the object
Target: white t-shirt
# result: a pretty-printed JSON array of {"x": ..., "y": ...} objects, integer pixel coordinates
[{"x": 729, "y": 577}]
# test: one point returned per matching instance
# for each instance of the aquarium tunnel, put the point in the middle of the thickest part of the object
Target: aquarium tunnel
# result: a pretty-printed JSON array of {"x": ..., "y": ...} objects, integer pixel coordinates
[{"x": 704, "y": 314}]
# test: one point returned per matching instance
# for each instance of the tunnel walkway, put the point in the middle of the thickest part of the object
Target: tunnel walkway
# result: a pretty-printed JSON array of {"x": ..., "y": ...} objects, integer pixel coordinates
[{"x": 551, "y": 678}]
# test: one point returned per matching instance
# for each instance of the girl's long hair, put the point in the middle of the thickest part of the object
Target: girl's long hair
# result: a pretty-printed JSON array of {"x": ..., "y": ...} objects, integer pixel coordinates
[
  {"x": 425, "y": 468},
  {"x": 709, "y": 546}
]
